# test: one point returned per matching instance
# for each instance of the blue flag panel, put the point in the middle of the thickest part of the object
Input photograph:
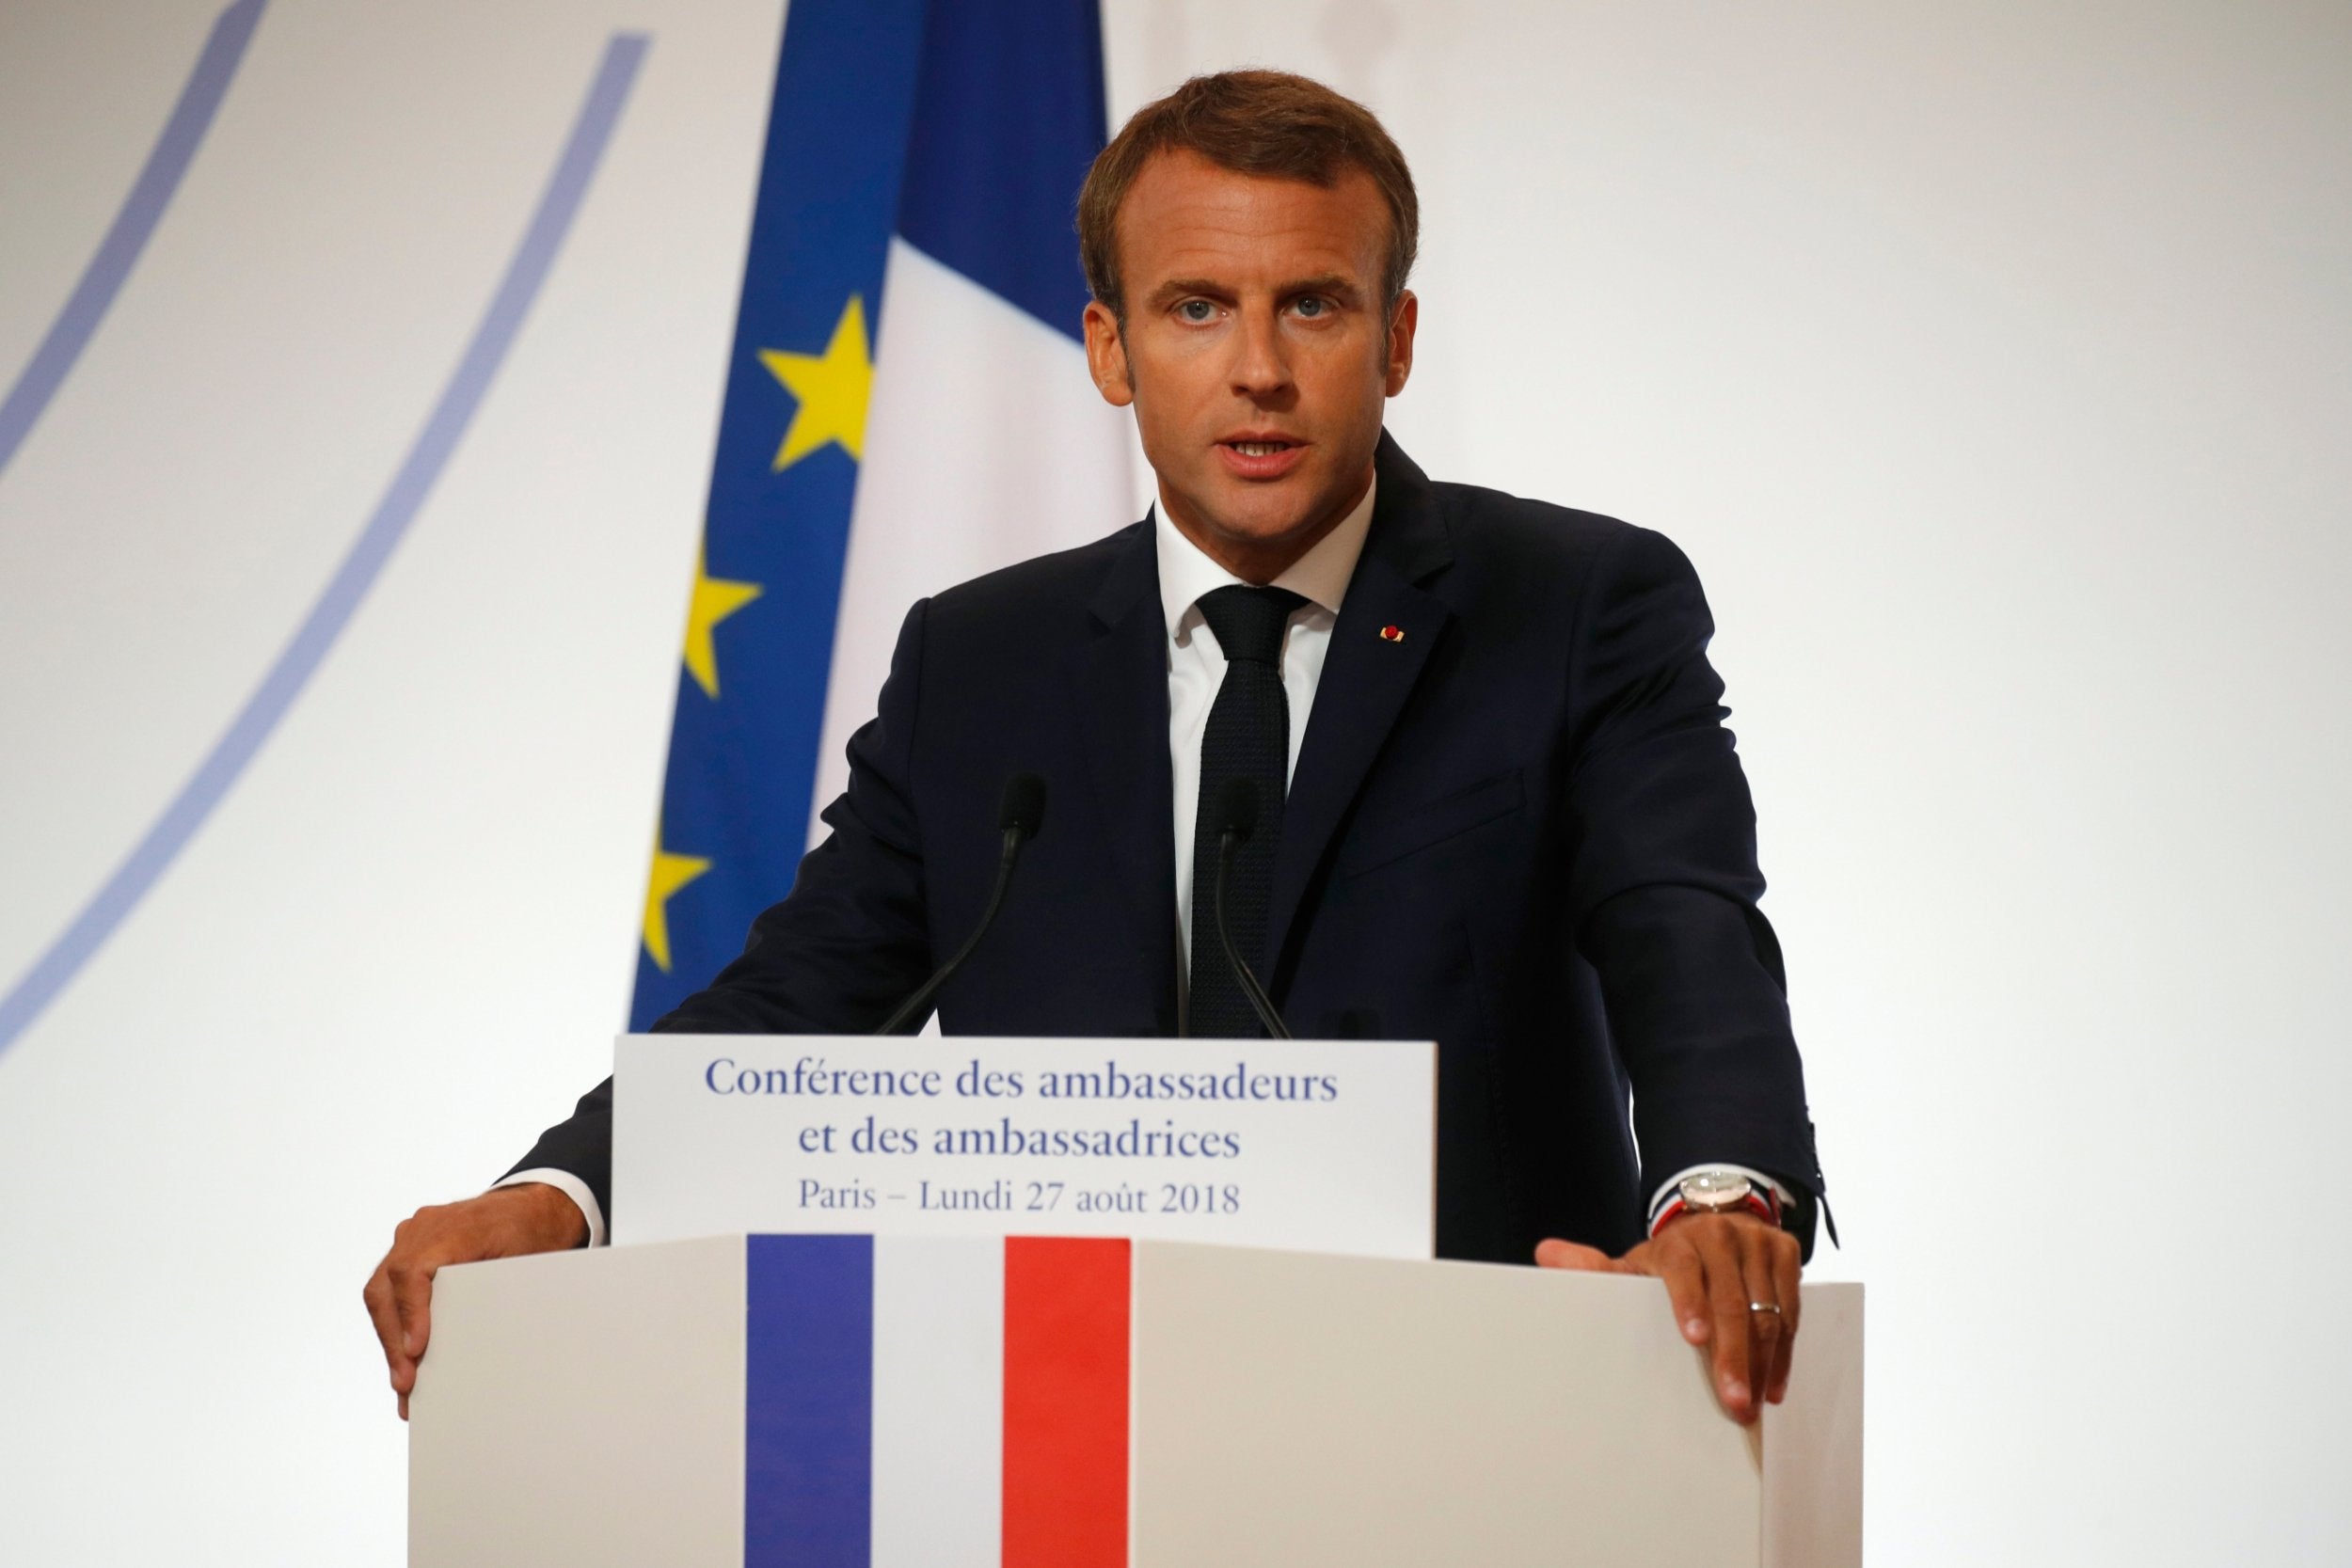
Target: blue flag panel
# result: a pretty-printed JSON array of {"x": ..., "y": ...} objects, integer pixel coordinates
[{"x": 1007, "y": 120}]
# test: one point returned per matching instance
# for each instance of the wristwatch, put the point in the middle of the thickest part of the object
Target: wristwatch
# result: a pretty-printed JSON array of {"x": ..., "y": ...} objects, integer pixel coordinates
[{"x": 1719, "y": 1192}]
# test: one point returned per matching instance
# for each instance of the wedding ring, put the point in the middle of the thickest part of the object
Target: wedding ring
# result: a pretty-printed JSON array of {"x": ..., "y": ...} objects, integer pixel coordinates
[{"x": 1772, "y": 1307}]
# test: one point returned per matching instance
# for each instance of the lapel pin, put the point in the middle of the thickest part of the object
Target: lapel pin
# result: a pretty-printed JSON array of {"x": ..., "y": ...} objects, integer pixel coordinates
[{"x": 1391, "y": 634}]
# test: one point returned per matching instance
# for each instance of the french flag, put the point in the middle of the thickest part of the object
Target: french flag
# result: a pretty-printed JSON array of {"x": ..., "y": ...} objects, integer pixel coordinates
[
  {"x": 936, "y": 1402},
  {"x": 986, "y": 442}
]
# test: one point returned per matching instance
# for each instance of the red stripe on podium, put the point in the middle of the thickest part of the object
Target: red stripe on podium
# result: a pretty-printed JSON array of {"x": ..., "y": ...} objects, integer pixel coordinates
[{"x": 1066, "y": 1301}]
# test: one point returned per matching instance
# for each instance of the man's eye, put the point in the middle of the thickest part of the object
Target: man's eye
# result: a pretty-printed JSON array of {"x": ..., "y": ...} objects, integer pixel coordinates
[
  {"x": 1196, "y": 310},
  {"x": 1313, "y": 306}
]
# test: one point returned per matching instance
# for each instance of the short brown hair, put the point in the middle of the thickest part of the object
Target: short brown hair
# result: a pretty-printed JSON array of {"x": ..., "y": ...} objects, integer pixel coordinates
[{"x": 1265, "y": 123}]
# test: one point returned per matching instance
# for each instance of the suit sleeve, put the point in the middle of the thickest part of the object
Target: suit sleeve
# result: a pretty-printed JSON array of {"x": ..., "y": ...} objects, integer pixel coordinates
[
  {"x": 1665, "y": 885},
  {"x": 843, "y": 948}
]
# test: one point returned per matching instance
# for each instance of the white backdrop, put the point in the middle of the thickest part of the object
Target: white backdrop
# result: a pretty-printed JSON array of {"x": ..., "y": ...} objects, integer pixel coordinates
[{"x": 1991, "y": 362}]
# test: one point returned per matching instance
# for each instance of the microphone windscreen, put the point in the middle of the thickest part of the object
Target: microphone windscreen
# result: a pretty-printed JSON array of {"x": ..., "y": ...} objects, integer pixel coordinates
[
  {"x": 1022, "y": 807},
  {"x": 1236, "y": 809}
]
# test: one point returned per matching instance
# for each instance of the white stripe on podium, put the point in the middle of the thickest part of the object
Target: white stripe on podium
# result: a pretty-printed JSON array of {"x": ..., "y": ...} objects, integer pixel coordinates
[{"x": 939, "y": 1387}]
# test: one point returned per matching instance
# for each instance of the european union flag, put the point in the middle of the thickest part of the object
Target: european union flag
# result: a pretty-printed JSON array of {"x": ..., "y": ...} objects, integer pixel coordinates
[{"x": 964, "y": 128}]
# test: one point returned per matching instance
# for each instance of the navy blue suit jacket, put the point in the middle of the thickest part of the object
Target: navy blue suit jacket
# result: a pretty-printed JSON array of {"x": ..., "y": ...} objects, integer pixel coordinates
[{"x": 1519, "y": 831}]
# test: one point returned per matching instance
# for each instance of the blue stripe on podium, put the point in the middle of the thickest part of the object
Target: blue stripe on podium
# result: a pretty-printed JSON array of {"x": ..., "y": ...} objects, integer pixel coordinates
[{"x": 808, "y": 1401}]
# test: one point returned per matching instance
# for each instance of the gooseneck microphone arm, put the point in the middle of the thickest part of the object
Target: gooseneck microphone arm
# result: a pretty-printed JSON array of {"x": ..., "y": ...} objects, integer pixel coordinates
[
  {"x": 1237, "y": 819},
  {"x": 1019, "y": 815}
]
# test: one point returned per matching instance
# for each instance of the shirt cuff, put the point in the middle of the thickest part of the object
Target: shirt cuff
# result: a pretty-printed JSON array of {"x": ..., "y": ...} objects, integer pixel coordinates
[
  {"x": 570, "y": 1186},
  {"x": 1665, "y": 1194}
]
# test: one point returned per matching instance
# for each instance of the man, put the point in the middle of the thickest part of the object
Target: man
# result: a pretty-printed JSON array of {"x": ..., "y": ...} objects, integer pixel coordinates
[{"x": 1495, "y": 803}]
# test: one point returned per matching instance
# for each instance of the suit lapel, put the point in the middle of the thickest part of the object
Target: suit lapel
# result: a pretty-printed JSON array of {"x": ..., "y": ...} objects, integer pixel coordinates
[
  {"x": 1120, "y": 680},
  {"x": 1367, "y": 676}
]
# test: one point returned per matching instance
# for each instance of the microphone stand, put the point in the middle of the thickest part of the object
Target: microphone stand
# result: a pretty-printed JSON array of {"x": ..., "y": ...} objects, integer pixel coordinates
[{"x": 1021, "y": 816}]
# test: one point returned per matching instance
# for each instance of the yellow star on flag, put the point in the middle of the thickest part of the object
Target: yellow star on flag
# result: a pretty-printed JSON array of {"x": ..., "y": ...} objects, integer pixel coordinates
[
  {"x": 715, "y": 599},
  {"x": 832, "y": 387},
  {"x": 670, "y": 872}
]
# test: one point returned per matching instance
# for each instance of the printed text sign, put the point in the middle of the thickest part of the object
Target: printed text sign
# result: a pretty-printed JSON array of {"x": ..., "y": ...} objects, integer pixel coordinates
[{"x": 1321, "y": 1145}]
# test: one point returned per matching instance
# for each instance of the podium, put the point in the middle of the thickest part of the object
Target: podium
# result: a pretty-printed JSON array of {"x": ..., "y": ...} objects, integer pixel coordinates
[{"x": 1083, "y": 1402}]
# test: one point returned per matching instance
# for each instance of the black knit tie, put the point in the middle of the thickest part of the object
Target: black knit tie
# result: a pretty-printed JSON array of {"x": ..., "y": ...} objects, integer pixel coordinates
[{"x": 1248, "y": 736}]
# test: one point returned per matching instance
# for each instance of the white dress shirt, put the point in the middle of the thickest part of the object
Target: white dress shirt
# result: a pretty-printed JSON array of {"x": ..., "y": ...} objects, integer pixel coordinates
[
  {"x": 1196, "y": 665},
  {"x": 1196, "y": 668}
]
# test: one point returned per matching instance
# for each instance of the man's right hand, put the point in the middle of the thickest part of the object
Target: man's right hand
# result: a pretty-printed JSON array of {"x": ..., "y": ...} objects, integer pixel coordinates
[{"x": 505, "y": 1222}]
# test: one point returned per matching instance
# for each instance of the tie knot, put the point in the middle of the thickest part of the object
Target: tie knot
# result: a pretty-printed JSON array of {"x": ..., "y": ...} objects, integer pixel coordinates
[{"x": 1248, "y": 622}]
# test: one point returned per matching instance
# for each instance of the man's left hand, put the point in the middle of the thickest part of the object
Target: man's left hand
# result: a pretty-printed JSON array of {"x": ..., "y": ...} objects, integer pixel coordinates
[{"x": 1723, "y": 1273}]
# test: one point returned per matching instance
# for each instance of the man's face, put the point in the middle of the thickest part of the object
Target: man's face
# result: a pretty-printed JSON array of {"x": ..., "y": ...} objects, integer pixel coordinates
[{"x": 1256, "y": 352}]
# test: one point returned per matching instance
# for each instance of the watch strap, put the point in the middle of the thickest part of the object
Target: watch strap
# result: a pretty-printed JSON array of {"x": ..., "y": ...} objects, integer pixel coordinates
[{"x": 1765, "y": 1197}]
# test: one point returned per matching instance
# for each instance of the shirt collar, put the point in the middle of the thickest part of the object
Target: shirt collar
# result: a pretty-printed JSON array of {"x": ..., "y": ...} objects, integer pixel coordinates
[{"x": 1320, "y": 577}]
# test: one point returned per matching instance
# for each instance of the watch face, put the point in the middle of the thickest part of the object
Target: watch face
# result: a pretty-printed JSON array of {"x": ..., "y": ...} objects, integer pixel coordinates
[{"x": 1716, "y": 1189}]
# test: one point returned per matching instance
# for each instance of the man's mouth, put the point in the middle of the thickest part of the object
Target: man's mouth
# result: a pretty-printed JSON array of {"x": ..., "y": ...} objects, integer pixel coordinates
[{"x": 1258, "y": 458}]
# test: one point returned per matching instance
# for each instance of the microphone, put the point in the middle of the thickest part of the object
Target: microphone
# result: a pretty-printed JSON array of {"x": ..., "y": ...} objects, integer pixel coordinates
[
  {"x": 1236, "y": 819},
  {"x": 1020, "y": 813}
]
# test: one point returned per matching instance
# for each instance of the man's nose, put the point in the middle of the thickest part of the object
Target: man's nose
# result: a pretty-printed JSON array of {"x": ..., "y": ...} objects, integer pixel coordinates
[{"x": 1261, "y": 368}]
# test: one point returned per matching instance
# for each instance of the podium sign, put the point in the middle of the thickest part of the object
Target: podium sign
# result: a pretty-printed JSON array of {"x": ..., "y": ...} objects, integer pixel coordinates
[{"x": 1326, "y": 1145}]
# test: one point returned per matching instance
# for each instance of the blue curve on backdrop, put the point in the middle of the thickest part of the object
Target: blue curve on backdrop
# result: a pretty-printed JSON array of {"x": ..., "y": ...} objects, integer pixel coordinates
[
  {"x": 142, "y": 210},
  {"x": 558, "y": 203}
]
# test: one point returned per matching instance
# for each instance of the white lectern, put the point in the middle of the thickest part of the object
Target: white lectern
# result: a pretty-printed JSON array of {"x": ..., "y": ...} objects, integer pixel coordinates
[{"x": 848, "y": 1400}]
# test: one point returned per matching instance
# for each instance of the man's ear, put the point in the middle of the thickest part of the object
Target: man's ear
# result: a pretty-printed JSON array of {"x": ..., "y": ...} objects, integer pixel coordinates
[
  {"x": 1402, "y": 323},
  {"x": 1106, "y": 355}
]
